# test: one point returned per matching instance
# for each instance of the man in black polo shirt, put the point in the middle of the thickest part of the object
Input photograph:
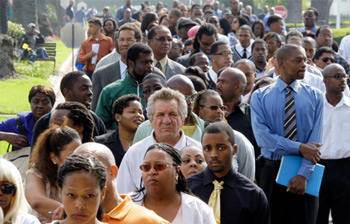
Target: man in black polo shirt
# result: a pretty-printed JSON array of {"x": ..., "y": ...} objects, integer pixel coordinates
[
  {"x": 234, "y": 199},
  {"x": 231, "y": 85}
]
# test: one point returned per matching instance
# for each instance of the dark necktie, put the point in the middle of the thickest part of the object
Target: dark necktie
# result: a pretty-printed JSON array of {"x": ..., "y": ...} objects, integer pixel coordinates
[
  {"x": 244, "y": 53},
  {"x": 159, "y": 66},
  {"x": 290, "y": 121}
]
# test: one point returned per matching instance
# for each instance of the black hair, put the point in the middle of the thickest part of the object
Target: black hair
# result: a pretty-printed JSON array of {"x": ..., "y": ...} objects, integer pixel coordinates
[
  {"x": 262, "y": 24},
  {"x": 124, "y": 101},
  {"x": 149, "y": 18},
  {"x": 83, "y": 163},
  {"x": 259, "y": 41},
  {"x": 314, "y": 10},
  {"x": 293, "y": 33},
  {"x": 198, "y": 83},
  {"x": 135, "y": 50},
  {"x": 322, "y": 27},
  {"x": 188, "y": 42},
  {"x": 196, "y": 71},
  {"x": 80, "y": 115},
  {"x": 205, "y": 29},
  {"x": 215, "y": 46},
  {"x": 181, "y": 184},
  {"x": 194, "y": 56},
  {"x": 195, "y": 6},
  {"x": 208, "y": 6},
  {"x": 242, "y": 21},
  {"x": 320, "y": 51},
  {"x": 152, "y": 32},
  {"x": 220, "y": 127},
  {"x": 69, "y": 80},
  {"x": 46, "y": 90},
  {"x": 177, "y": 12},
  {"x": 112, "y": 20},
  {"x": 154, "y": 75},
  {"x": 201, "y": 99},
  {"x": 225, "y": 25},
  {"x": 273, "y": 19},
  {"x": 273, "y": 35}
]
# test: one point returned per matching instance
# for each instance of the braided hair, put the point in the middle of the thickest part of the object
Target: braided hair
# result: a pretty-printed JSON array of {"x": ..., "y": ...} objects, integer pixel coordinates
[
  {"x": 181, "y": 184},
  {"x": 85, "y": 163},
  {"x": 80, "y": 115}
]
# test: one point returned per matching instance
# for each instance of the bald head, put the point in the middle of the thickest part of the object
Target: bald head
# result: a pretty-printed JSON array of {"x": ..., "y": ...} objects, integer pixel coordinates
[
  {"x": 236, "y": 83},
  {"x": 97, "y": 150},
  {"x": 236, "y": 75},
  {"x": 181, "y": 83},
  {"x": 332, "y": 69},
  {"x": 285, "y": 51}
]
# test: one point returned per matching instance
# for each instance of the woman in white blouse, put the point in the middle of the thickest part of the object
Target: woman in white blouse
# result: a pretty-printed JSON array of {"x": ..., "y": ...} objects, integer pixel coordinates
[{"x": 165, "y": 189}]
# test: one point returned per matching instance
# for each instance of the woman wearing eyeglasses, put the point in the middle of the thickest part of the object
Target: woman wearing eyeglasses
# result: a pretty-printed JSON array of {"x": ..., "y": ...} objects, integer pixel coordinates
[
  {"x": 209, "y": 106},
  {"x": 167, "y": 191},
  {"x": 12, "y": 200}
]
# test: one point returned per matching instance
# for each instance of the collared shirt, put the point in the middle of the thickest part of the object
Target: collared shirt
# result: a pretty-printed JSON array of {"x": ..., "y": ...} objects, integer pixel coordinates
[
  {"x": 240, "y": 120},
  {"x": 335, "y": 140},
  {"x": 123, "y": 69},
  {"x": 163, "y": 62},
  {"x": 303, "y": 29},
  {"x": 260, "y": 73},
  {"x": 213, "y": 75},
  {"x": 240, "y": 49},
  {"x": 108, "y": 59},
  {"x": 106, "y": 47},
  {"x": 129, "y": 174},
  {"x": 112, "y": 92},
  {"x": 130, "y": 213},
  {"x": 241, "y": 200},
  {"x": 267, "y": 110}
]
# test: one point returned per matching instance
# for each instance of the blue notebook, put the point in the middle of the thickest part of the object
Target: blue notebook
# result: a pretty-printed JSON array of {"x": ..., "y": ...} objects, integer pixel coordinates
[{"x": 290, "y": 166}]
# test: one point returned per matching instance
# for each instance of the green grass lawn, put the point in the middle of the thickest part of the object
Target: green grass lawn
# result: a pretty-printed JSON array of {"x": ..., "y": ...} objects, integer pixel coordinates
[{"x": 14, "y": 92}]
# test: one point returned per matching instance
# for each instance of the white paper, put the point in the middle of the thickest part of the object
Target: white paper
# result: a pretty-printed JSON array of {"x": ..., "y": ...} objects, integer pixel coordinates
[{"x": 95, "y": 48}]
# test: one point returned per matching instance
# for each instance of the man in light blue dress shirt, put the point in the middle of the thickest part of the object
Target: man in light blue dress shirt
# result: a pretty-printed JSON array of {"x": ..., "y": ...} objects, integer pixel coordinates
[{"x": 288, "y": 204}]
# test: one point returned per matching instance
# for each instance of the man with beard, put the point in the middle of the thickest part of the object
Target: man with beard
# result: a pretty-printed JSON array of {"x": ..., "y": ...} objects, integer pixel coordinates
[
  {"x": 160, "y": 41},
  {"x": 287, "y": 120},
  {"x": 259, "y": 53},
  {"x": 139, "y": 61},
  {"x": 127, "y": 35}
]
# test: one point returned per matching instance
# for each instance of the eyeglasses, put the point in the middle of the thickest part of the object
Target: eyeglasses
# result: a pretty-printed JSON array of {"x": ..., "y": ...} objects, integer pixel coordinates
[
  {"x": 148, "y": 91},
  {"x": 156, "y": 166},
  {"x": 163, "y": 39},
  {"x": 337, "y": 76},
  {"x": 128, "y": 40},
  {"x": 215, "y": 107},
  {"x": 191, "y": 97},
  {"x": 7, "y": 188},
  {"x": 325, "y": 59},
  {"x": 225, "y": 53}
]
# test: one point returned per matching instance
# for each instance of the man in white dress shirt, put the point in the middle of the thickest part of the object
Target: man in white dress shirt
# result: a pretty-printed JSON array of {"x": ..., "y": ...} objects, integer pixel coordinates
[
  {"x": 221, "y": 56},
  {"x": 166, "y": 110},
  {"x": 335, "y": 151},
  {"x": 244, "y": 48}
]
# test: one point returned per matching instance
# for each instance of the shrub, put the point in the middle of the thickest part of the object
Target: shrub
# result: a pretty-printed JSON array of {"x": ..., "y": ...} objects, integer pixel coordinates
[{"x": 15, "y": 30}]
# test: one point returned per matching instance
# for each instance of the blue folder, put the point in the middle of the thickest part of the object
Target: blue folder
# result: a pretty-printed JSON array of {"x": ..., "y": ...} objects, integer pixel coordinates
[{"x": 289, "y": 168}]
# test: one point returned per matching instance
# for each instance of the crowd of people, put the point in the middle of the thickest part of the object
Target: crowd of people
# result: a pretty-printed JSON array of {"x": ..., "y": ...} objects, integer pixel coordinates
[{"x": 183, "y": 115}]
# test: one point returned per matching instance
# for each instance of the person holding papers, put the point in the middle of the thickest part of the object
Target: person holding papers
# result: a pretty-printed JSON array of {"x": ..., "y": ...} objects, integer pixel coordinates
[
  {"x": 287, "y": 120},
  {"x": 95, "y": 47},
  {"x": 334, "y": 193}
]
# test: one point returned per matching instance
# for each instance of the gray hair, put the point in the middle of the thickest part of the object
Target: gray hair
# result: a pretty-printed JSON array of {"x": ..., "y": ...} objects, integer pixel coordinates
[{"x": 167, "y": 94}]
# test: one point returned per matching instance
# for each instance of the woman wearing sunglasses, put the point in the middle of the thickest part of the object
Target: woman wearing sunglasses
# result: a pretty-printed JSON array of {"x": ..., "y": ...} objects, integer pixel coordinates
[
  {"x": 209, "y": 106},
  {"x": 167, "y": 191},
  {"x": 12, "y": 200}
]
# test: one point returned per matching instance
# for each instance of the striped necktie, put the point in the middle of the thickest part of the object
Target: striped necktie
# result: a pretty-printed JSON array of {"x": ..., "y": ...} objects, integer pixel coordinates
[
  {"x": 290, "y": 121},
  {"x": 159, "y": 66},
  {"x": 214, "y": 200}
]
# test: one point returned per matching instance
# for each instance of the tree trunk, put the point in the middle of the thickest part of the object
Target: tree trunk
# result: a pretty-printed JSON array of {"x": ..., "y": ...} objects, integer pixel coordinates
[
  {"x": 7, "y": 49},
  {"x": 60, "y": 12},
  {"x": 294, "y": 8},
  {"x": 3, "y": 16},
  {"x": 43, "y": 18},
  {"x": 25, "y": 12},
  {"x": 323, "y": 7}
]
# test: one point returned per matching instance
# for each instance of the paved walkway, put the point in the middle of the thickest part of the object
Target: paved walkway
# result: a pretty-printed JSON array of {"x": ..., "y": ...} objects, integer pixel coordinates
[{"x": 56, "y": 79}]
